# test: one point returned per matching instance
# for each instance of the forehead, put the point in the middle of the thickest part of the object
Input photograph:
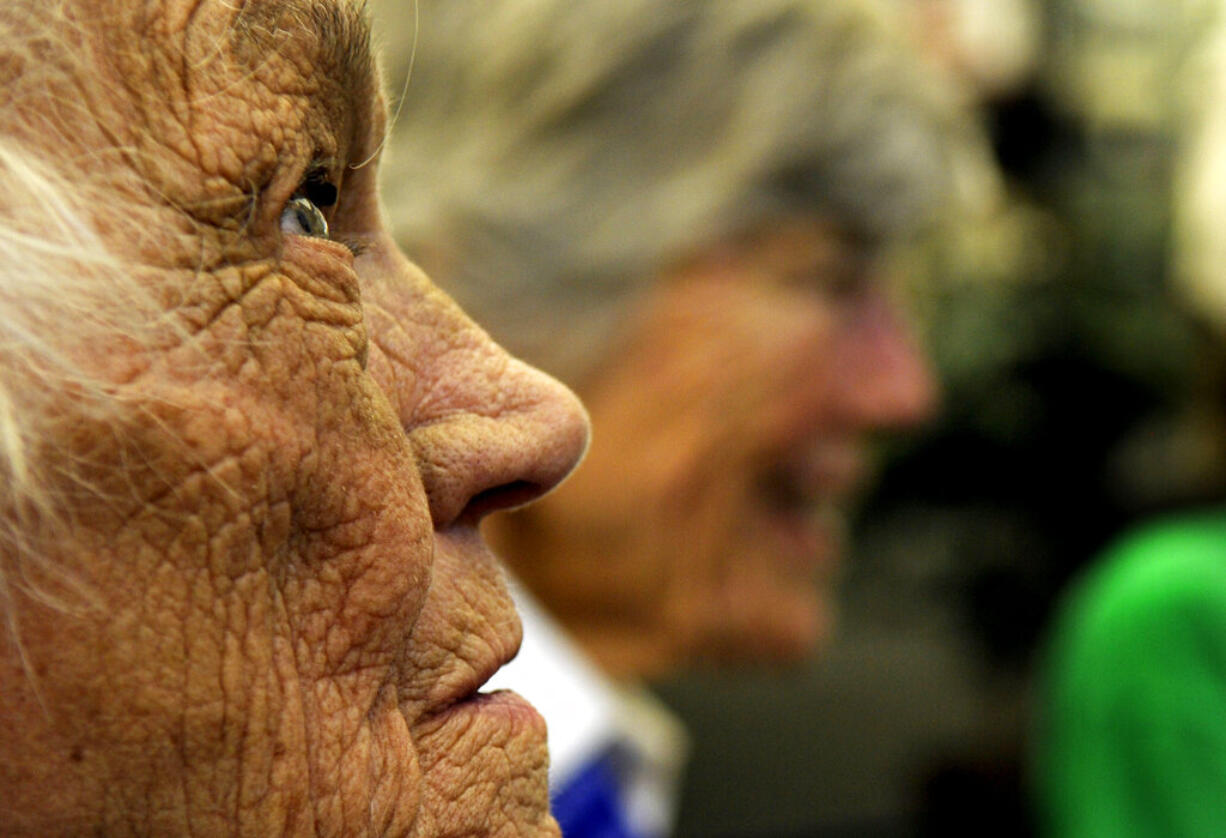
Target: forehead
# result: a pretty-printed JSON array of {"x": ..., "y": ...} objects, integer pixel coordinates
[
  {"x": 330, "y": 38},
  {"x": 335, "y": 33},
  {"x": 265, "y": 53},
  {"x": 286, "y": 45}
]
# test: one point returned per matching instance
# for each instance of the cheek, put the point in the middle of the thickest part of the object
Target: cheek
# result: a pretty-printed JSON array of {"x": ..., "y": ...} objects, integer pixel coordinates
[
  {"x": 786, "y": 387},
  {"x": 795, "y": 342},
  {"x": 279, "y": 586},
  {"x": 329, "y": 501},
  {"x": 259, "y": 550},
  {"x": 763, "y": 348}
]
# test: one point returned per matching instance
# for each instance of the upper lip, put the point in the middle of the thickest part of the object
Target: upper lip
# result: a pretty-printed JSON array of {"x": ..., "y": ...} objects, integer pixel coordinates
[
  {"x": 465, "y": 679},
  {"x": 823, "y": 472},
  {"x": 485, "y": 671},
  {"x": 467, "y": 687}
]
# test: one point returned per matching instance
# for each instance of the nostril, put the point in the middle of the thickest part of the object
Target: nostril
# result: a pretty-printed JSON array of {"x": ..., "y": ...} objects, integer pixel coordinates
[{"x": 506, "y": 496}]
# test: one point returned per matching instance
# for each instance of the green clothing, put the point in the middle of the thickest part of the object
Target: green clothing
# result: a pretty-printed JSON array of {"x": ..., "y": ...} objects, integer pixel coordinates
[{"x": 1132, "y": 736}]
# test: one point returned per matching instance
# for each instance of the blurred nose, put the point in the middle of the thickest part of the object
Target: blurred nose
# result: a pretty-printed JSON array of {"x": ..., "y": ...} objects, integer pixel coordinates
[
  {"x": 882, "y": 377},
  {"x": 489, "y": 432}
]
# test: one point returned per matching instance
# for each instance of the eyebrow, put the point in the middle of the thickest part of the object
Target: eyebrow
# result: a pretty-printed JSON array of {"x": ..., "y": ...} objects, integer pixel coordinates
[{"x": 341, "y": 27}]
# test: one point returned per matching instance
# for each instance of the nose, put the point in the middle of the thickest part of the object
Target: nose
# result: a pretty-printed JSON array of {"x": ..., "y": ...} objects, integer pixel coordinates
[
  {"x": 883, "y": 379},
  {"x": 515, "y": 437},
  {"x": 488, "y": 431}
]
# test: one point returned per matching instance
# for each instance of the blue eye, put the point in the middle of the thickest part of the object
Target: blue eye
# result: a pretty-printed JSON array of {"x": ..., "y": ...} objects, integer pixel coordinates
[{"x": 301, "y": 217}]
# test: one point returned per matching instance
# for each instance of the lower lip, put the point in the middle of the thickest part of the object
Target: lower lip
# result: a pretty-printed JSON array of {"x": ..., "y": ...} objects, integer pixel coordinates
[{"x": 502, "y": 707}]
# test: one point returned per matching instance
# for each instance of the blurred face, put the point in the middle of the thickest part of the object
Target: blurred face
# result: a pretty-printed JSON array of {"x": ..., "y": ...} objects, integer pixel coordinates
[
  {"x": 729, "y": 439},
  {"x": 281, "y": 613}
]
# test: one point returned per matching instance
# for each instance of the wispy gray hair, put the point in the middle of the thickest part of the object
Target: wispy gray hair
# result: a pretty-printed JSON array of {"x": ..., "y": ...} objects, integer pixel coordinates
[
  {"x": 70, "y": 291},
  {"x": 553, "y": 156},
  {"x": 61, "y": 289}
]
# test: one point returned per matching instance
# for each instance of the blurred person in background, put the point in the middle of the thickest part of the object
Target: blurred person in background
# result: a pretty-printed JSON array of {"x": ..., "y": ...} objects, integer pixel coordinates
[{"x": 686, "y": 210}]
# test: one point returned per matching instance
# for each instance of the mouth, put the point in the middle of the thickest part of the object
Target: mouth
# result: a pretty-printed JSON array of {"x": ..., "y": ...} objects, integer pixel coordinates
[
  {"x": 479, "y": 752},
  {"x": 483, "y": 645},
  {"x": 469, "y": 693},
  {"x": 503, "y": 709},
  {"x": 805, "y": 495}
]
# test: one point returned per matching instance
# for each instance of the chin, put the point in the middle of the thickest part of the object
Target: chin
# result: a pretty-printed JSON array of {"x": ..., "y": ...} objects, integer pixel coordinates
[{"x": 502, "y": 739}]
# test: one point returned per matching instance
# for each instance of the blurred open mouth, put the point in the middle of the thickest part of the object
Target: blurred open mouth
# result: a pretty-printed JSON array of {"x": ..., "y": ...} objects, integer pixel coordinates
[{"x": 805, "y": 495}]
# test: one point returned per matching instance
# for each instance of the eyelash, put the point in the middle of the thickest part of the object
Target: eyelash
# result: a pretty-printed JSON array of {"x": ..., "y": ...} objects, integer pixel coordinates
[{"x": 354, "y": 245}]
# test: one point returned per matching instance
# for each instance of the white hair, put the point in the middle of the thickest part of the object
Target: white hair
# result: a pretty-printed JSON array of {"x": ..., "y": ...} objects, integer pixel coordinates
[{"x": 68, "y": 294}]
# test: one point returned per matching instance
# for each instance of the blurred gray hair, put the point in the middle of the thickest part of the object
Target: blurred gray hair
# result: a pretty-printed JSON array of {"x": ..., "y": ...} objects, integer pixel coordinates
[{"x": 553, "y": 156}]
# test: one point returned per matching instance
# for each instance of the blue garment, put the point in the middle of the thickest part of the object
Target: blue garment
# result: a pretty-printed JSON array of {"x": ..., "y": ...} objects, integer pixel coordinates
[{"x": 590, "y": 805}]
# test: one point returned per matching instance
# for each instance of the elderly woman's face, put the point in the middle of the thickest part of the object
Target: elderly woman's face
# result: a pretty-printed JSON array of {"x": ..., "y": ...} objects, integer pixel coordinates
[
  {"x": 272, "y": 610},
  {"x": 707, "y": 520}
]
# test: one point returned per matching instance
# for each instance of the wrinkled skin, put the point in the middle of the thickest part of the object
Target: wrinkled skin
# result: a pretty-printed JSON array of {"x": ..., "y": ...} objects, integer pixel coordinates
[
  {"x": 706, "y": 523},
  {"x": 289, "y": 609}
]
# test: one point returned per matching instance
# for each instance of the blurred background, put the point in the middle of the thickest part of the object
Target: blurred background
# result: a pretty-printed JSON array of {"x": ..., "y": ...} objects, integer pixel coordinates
[
  {"x": 1079, "y": 336},
  {"x": 1081, "y": 355}
]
